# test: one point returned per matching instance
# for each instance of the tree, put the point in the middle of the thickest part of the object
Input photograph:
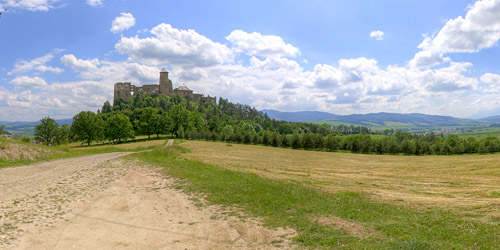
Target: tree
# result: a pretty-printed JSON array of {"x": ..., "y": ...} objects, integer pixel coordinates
[
  {"x": 2, "y": 131},
  {"x": 147, "y": 120},
  {"x": 62, "y": 134},
  {"x": 179, "y": 118},
  {"x": 46, "y": 131},
  {"x": 88, "y": 127},
  {"x": 295, "y": 142},
  {"x": 106, "y": 108},
  {"x": 118, "y": 128}
]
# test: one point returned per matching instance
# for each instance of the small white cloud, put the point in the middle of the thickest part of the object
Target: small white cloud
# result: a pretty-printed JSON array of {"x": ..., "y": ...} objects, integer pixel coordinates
[
  {"x": 123, "y": 22},
  {"x": 377, "y": 34},
  {"x": 94, "y": 2},
  {"x": 79, "y": 64},
  {"x": 31, "y": 5},
  {"x": 261, "y": 45},
  {"x": 37, "y": 64},
  {"x": 491, "y": 78},
  {"x": 28, "y": 82}
]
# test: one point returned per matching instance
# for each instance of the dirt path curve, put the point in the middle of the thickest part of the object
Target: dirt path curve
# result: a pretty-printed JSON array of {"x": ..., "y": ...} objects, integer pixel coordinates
[
  {"x": 104, "y": 202},
  {"x": 170, "y": 142}
]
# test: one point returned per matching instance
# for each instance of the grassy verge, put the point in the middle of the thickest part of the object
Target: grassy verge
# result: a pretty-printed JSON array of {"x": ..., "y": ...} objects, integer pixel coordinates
[
  {"x": 69, "y": 151},
  {"x": 290, "y": 204}
]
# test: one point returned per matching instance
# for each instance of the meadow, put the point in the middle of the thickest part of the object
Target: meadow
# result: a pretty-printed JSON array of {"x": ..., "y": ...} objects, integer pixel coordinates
[
  {"x": 345, "y": 200},
  {"x": 467, "y": 184}
]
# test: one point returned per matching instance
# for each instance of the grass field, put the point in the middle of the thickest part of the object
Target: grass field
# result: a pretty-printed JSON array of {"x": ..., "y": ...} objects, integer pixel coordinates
[
  {"x": 468, "y": 184},
  {"x": 481, "y": 133},
  {"x": 347, "y": 201}
]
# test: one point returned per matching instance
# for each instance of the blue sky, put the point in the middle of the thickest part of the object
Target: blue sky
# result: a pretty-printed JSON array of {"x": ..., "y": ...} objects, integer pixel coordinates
[{"x": 60, "y": 57}]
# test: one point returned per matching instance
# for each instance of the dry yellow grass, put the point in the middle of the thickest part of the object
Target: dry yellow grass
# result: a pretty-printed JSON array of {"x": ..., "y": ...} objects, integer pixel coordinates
[
  {"x": 126, "y": 146},
  {"x": 466, "y": 183}
]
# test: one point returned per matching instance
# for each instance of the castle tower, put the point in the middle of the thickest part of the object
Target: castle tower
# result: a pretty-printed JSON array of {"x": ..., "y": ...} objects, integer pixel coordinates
[
  {"x": 165, "y": 83},
  {"x": 122, "y": 91}
]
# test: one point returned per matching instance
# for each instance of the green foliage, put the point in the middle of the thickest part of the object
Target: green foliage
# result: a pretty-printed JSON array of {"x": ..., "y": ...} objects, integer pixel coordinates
[
  {"x": 46, "y": 131},
  {"x": 2, "y": 131},
  {"x": 63, "y": 134},
  {"x": 119, "y": 128},
  {"x": 88, "y": 127},
  {"x": 243, "y": 124}
]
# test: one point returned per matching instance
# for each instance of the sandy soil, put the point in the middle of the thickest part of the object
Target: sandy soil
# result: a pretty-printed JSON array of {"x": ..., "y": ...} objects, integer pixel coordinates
[{"x": 104, "y": 202}]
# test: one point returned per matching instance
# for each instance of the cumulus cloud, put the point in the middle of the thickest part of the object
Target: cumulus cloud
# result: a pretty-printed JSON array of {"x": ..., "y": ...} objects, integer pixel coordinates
[
  {"x": 111, "y": 71},
  {"x": 28, "y": 82},
  {"x": 94, "y": 2},
  {"x": 123, "y": 22},
  {"x": 261, "y": 45},
  {"x": 490, "y": 78},
  {"x": 479, "y": 29},
  {"x": 377, "y": 34},
  {"x": 31, "y": 5},
  {"x": 37, "y": 64},
  {"x": 79, "y": 64},
  {"x": 173, "y": 46}
]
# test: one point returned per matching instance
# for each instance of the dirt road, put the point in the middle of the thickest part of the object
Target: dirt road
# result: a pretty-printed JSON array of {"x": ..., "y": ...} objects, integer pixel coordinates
[{"x": 105, "y": 202}]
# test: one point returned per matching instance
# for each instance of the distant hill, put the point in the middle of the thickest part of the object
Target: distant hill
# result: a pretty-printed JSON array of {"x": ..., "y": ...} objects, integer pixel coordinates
[
  {"x": 414, "y": 120},
  {"x": 491, "y": 119},
  {"x": 28, "y": 128},
  {"x": 298, "y": 116},
  {"x": 407, "y": 120}
]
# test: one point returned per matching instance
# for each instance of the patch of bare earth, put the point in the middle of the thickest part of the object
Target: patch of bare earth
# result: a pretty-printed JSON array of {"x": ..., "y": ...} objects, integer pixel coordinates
[
  {"x": 353, "y": 228},
  {"x": 104, "y": 202}
]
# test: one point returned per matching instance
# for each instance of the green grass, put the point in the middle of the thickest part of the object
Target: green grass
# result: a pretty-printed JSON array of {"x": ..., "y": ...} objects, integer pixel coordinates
[
  {"x": 481, "y": 133},
  {"x": 283, "y": 203}
]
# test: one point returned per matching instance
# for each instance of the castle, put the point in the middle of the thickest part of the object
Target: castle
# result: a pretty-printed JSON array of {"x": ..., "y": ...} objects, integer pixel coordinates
[{"x": 124, "y": 90}]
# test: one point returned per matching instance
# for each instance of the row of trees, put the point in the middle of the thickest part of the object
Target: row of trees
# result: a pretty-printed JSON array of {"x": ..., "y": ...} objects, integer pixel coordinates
[
  {"x": 155, "y": 115},
  {"x": 359, "y": 143}
]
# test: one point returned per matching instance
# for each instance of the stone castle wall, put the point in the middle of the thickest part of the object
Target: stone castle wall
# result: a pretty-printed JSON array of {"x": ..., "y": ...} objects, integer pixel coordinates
[{"x": 124, "y": 90}]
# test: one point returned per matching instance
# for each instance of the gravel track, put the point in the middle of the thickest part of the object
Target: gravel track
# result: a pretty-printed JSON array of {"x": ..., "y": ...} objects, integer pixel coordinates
[{"x": 106, "y": 202}]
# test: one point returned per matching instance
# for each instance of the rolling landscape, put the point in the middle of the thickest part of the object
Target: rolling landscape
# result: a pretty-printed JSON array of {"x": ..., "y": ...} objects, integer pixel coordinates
[{"x": 250, "y": 125}]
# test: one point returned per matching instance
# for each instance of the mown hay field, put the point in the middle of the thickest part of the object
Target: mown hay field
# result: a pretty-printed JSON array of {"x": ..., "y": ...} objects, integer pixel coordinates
[{"x": 468, "y": 184}]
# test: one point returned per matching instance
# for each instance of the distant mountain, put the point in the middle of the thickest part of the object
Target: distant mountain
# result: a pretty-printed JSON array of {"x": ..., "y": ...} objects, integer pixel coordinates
[
  {"x": 407, "y": 120},
  {"x": 28, "y": 128},
  {"x": 298, "y": 116},
  {"x": 380, "y": 119},
  {"x": 491, "y": 119}
]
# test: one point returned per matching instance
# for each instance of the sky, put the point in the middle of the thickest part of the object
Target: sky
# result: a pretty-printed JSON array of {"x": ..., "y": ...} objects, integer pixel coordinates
[{"x": 439, "y": 57}]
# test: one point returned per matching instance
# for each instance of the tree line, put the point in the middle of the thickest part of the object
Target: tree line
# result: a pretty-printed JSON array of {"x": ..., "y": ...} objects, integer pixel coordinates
[{"x": 153, "y": 115}]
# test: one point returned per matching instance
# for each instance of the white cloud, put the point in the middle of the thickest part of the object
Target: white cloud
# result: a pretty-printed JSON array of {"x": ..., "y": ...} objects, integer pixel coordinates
[
  {"x": 172, "y": 46},
  {"x": 261, "y": 45},
  {"x": 37, "y": 64},
  {"x": 31, "y": 5},
  {"x": 377, "y": 34},
  {"x": 111, "y": 71},
  {"x": 29, "y": 82},
  {"x": 94, "y": 2},
  {"x": 123, "y": 22},
  {"x": 478, "y": 30},
  {"x": 491, "y": 78},
  {"x": 79, "y": 64}
]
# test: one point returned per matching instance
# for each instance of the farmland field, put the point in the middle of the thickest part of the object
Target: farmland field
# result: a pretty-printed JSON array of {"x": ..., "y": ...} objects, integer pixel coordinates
[{"x": 466, "y": 184}]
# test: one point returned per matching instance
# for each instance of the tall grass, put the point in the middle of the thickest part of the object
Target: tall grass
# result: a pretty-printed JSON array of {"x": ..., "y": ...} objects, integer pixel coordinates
[{"x": 284, "y": 203}]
